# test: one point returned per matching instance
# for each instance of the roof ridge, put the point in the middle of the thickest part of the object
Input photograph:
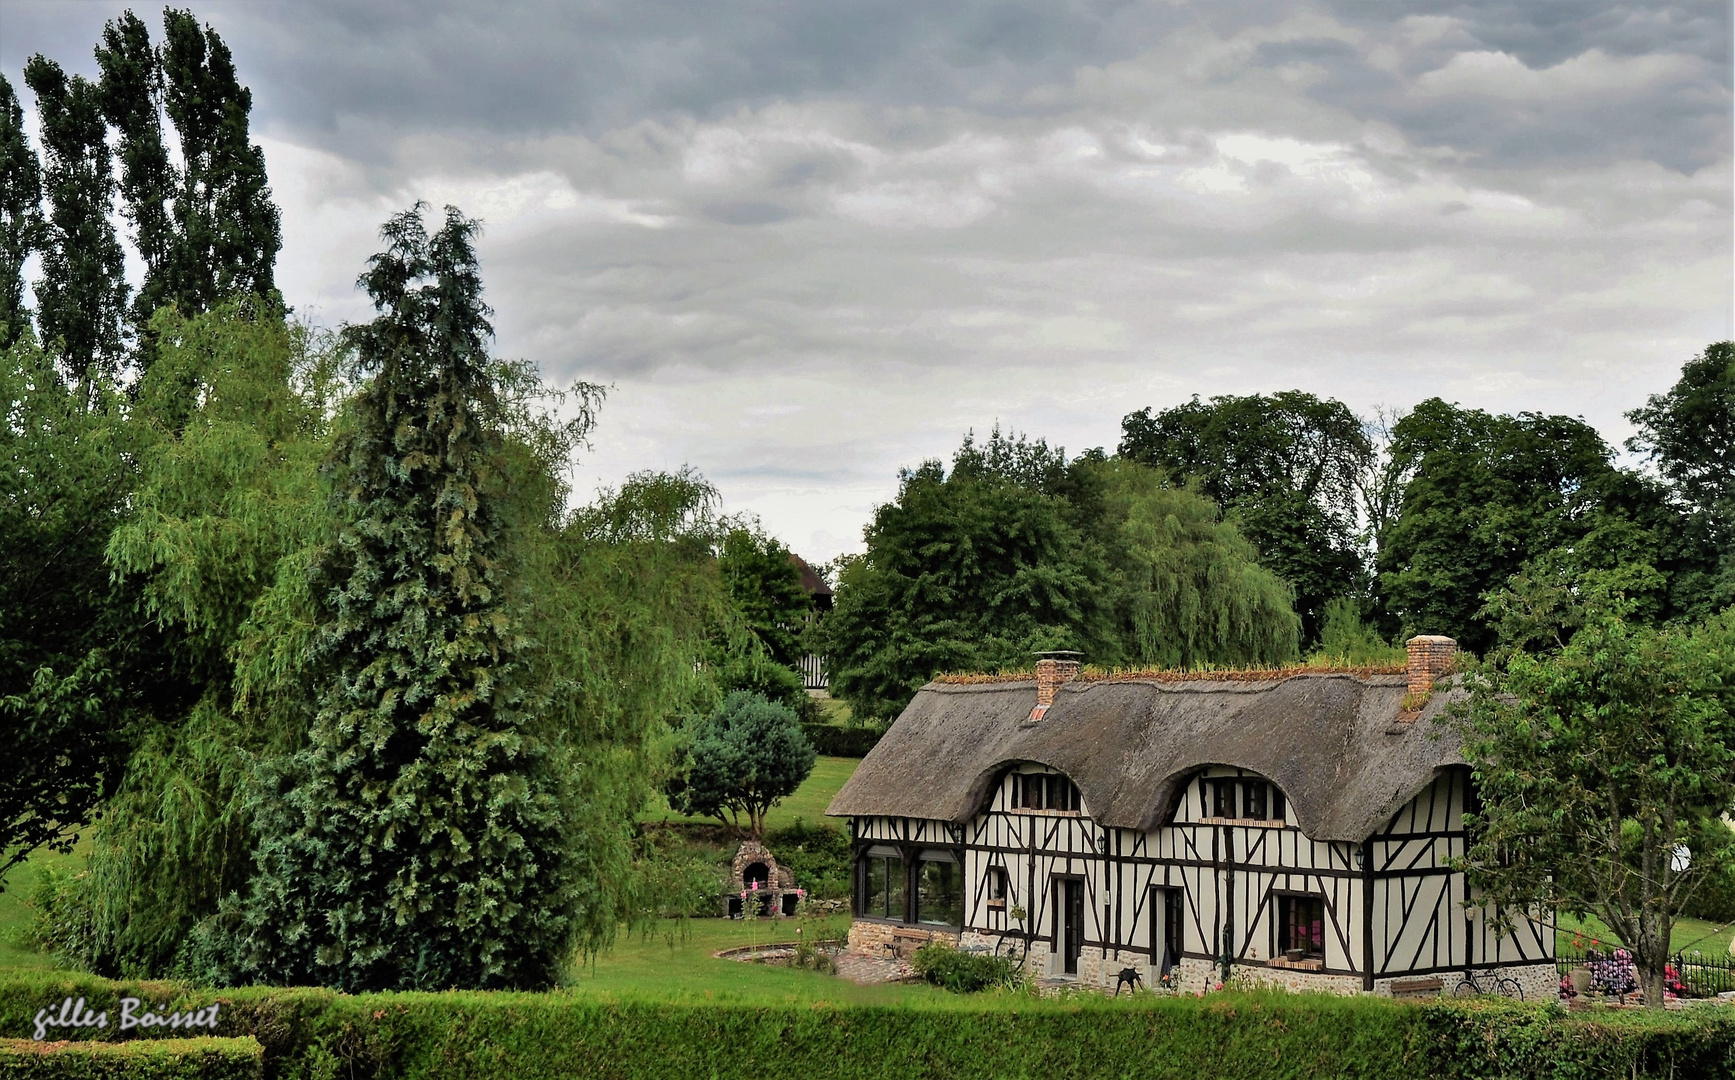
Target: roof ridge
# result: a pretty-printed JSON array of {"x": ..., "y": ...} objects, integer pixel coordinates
[{"x": 1176, "y": 675}]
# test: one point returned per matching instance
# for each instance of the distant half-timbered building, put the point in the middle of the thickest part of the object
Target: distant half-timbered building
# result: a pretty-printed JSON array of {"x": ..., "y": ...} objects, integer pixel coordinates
[{"x": 1297, "y": 828}]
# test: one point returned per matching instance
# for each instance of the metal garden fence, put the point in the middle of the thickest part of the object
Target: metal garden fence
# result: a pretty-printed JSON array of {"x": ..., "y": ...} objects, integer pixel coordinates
[{"x": 1701, "y": 974}]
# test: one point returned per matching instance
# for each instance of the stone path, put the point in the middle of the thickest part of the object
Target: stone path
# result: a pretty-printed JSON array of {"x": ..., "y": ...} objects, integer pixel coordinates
[{"x": 858, "y": 968}]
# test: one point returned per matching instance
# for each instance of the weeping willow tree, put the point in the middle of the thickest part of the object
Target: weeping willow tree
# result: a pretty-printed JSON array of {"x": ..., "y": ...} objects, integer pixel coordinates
[
  {"x": 630, "y": 605},
  {"x": 230, "y": 426},
  {"x": 1189, "y": 588}
]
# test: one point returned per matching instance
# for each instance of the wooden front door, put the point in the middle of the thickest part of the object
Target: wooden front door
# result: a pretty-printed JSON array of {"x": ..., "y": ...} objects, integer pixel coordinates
[
  {"x": 1166, "y": 907},
  {"x": 1069, "y": 922}
]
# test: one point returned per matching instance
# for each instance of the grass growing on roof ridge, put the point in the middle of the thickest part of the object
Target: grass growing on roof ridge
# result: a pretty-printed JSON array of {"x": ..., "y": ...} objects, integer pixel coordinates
[{"x": 1196, "y": 673}]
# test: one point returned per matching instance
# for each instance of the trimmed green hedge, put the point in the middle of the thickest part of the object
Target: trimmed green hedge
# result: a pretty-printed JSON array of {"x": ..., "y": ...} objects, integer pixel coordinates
[
  {"x": 460, "y": 1036},
  {"x": 833, "y": 741},
  {"x": 201, "y": 1058}
]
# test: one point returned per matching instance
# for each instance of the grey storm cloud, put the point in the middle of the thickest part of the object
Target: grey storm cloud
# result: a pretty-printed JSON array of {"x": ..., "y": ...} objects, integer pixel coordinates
[{"x": 811, "y": 243}]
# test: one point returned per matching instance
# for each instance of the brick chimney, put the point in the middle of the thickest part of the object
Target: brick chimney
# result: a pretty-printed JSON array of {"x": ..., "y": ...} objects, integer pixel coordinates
[
  {"x": 1053, "y": 669},
  {"x": 1431, "y": 657}
]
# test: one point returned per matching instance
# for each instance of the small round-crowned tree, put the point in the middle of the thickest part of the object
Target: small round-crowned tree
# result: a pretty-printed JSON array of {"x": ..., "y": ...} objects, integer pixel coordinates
[{"x": 743, "y": 757}]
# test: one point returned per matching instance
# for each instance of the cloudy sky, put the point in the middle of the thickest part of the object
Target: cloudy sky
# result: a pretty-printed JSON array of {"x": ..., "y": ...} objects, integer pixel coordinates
[{"x": 810, "y": 243}]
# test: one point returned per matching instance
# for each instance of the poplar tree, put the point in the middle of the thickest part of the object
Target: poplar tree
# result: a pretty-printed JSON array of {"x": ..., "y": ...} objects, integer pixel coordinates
[
  {"x": 226, "y": 226},
  {"x": 82, "y": 294},
  {"x": 132, "y": 100},
  {"x": 417, "y": 840},
  {"x": 20, "y": 213},
  {"x": 207, "y": 228}
]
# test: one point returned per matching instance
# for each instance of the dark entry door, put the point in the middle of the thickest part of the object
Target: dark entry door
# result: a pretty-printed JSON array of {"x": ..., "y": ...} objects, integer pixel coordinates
[
  {"x": 1069, "y": 922},
  {"x": 1166, "y": 940}
]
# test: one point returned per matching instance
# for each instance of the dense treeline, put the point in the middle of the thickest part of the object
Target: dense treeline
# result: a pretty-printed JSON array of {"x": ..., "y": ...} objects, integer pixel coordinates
[
  {"x": 1018, "y": 549},
  {"x": 1241, "y": 529}
]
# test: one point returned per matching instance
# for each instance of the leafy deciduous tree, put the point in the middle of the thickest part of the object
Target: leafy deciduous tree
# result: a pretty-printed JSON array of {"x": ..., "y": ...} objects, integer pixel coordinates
[
  {"x": 66, "y": 690},
  {"x": 1019, "y": 550},
  {"x": 1604, "y": 769},
  {"x": 1689, "y": 433},
  {"x": 766, "y": 586},
  {"x": 230, "y": 426},
  {"x": 967, "y": 571},
  {"x": 207, "y": 228},
  {"x": 1488, "y": 495},
  {"x": 226, "y": 226},
  {"x": 1189, "y": 587}
]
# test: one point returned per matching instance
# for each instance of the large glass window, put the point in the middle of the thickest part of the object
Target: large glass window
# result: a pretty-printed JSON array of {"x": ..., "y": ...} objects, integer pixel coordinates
[
  {"x": 882, "y": 885},
  {"x": 1301, "y": 925},
  {"x": 939, "y": 898}
]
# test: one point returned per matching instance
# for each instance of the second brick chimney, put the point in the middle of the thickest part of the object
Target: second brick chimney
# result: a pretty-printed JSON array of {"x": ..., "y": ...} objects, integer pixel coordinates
[
  {"x": 1431, "y": 657},
  {"x": 1053, "y": 669}
]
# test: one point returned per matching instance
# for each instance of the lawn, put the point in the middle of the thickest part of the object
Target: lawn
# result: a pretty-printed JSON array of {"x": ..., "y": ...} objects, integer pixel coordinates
[
  {"x": 675, "y": 961},
  {"x": 1712, "y": 939},
  {"x": 17, "y": 916}
]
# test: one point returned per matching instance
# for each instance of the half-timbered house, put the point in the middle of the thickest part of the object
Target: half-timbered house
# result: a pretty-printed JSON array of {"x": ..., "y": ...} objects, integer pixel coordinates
[{"x": 1296, "y": 827}]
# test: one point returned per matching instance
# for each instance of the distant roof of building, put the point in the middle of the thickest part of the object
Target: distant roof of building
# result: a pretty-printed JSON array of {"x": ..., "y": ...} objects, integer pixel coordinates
[
  {"x": 1336, "y": 742},
  {"x": 810, "y": 579}
]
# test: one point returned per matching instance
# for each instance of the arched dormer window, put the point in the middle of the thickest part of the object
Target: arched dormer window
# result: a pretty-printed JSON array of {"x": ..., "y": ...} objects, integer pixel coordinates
[
  {"x": 1242, "y": 797},
  {"x": 1045, "y": 791}
]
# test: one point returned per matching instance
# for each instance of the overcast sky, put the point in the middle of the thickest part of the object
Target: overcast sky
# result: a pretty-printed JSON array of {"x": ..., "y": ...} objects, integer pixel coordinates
[{"x": 811, "y": 243}]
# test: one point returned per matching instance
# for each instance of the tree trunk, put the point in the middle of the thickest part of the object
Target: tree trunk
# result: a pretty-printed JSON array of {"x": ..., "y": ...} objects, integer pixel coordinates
[{"x": 1653, "y": 985}]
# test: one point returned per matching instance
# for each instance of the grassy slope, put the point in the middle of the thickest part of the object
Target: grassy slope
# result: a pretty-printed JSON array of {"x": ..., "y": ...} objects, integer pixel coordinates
[{"x": 17, "y": 915}]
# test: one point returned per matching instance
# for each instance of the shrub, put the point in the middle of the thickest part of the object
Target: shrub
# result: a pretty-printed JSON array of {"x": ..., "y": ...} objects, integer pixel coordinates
[
  {"x": 678, "y": 881},
  {"x": 817, "y": 854},
  {"x": 833, "y": 741},
  {"x": 965, "y": 972}
]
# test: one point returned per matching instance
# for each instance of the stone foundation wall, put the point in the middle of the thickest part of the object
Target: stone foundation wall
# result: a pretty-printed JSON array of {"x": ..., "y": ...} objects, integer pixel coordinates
[
  {"x": 883, "y": 939},
  {"x": 1540, "y": 982},
  {"x": 1298, "y": 980},
  {"x": 1192, "y": 975}
]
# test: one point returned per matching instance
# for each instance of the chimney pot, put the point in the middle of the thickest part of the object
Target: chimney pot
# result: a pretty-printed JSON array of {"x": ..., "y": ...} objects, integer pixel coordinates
[{"x": 1430, "y": 657}]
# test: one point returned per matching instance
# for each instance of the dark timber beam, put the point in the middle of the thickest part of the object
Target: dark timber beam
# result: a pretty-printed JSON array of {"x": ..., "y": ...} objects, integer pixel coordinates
[{"x": 1367, "y": 915}]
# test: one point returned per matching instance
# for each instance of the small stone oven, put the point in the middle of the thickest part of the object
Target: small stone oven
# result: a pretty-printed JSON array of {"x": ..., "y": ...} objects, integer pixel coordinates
[{"x": 756, "y": 879}]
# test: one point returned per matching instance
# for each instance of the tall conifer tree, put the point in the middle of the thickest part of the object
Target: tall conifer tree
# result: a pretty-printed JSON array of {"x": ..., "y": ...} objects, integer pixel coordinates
[
  {"x": 20, "y": 213},
  {"x": 417, "y": 841},
  {"x": 83, "y": 291}
]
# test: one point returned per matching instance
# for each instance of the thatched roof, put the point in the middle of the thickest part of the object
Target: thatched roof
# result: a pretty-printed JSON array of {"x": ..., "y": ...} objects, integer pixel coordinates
[{"x": 1336, "y": 744}]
